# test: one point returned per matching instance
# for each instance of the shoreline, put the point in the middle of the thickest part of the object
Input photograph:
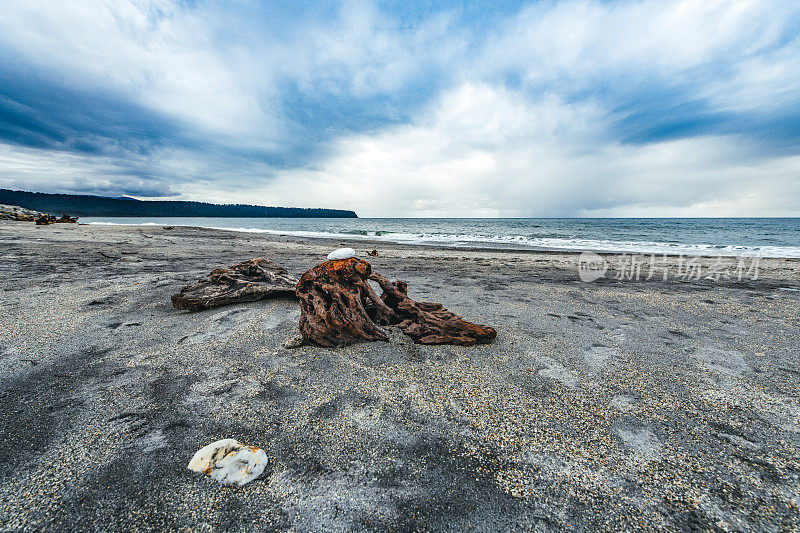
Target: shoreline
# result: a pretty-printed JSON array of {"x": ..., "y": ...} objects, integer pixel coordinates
[
  {"x": 773, "y": 267},
  {"x": 615, "y": 404},
  {"x": 773, "y": 272},
  {"x": 609, "y": 247}
]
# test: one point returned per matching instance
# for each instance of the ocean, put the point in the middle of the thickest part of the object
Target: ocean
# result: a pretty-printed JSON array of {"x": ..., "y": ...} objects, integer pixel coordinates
[{"x": 764, "y": 237}]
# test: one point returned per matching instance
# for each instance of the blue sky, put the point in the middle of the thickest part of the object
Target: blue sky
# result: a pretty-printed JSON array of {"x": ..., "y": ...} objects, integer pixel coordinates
[{"x": 576, "y": 108}]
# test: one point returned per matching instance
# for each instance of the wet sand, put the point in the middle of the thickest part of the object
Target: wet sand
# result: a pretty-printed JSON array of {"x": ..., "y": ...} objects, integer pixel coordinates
[{"x": 612, "y": 405}]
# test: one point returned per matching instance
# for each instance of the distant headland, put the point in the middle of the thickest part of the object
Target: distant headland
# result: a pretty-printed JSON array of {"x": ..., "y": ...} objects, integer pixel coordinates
[{"x": 102, "y": 206}]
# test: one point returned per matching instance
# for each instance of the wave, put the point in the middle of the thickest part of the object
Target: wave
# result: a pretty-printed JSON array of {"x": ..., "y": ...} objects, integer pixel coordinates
[{"x": 550, "y": 242}]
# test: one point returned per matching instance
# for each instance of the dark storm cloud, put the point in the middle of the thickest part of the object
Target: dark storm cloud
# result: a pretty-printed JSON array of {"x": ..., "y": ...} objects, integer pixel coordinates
[{"x": 40, "y": 111}]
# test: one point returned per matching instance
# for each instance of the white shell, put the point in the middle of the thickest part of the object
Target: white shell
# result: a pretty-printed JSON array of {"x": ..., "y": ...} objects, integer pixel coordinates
[
  {"x": 342, "y": 253},
  {"x": 229, "y": 461}
]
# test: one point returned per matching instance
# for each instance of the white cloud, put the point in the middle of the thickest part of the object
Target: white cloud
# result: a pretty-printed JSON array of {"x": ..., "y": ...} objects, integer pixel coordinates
[
  {"x": 477, "y": 151},
  {"x": 732, "y": 54},
  {"x": 363, "y": 53},
  {"x": 590, "y": 36},
  {"x": 485, "y": 151},
  {"x": 182, "y": 60},
  {"x": 155, "y": 52}
]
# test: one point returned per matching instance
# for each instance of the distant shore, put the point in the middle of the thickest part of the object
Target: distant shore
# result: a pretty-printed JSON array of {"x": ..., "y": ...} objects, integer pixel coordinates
[
  {"x": 627, "y": 402},
  {"x": 90, "y": 205}
]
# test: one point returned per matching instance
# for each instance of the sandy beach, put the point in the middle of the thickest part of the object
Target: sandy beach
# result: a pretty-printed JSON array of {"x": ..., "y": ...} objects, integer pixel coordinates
[{"x": 620, "y": 404}]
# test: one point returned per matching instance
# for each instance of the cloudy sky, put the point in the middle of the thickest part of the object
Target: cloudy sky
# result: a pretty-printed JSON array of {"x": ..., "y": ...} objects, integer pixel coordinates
[{"x": 573, "y": 108}]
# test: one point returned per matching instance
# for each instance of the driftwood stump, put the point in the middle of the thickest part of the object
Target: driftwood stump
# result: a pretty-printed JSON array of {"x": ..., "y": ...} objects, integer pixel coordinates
[
  {"x": 339, "y": 307},
  {"x": 247, "y": 281},
  {"x": 334, "y": 298}
]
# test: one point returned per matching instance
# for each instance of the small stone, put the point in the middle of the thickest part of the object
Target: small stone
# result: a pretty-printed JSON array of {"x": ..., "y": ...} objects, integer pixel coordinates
[
  {"x": 341, "y": 253},
  {"x": 228, "y": 461},
  {"x": 294, "y": 342}
]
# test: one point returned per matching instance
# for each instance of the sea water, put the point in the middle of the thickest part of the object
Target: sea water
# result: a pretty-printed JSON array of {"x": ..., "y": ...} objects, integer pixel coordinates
[{"x": 764, "y": 237}]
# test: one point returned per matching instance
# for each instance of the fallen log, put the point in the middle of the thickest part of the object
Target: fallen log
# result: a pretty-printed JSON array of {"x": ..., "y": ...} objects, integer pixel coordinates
[
  {"x": 247, "y": 281},
  {"x": 339, "y": 307}
]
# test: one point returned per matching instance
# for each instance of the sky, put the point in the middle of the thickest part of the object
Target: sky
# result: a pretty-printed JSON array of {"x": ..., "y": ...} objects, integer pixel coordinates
[{"x": 583, "y": 108}]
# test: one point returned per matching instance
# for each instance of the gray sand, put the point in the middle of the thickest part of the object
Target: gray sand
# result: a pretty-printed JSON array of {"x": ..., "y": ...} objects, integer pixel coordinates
[{"x": 606, "y": 405}]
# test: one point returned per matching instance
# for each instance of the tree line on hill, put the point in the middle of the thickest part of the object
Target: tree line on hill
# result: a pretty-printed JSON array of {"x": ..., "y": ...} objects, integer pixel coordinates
[{"x": 102, "y": 206}]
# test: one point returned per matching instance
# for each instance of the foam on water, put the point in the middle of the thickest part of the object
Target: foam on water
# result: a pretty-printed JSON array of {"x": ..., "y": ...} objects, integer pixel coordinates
[{"x": 727, "y": 237}]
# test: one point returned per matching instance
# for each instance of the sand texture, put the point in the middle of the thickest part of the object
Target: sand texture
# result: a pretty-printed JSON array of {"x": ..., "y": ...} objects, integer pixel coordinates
[{"x": 612, "y": 405}]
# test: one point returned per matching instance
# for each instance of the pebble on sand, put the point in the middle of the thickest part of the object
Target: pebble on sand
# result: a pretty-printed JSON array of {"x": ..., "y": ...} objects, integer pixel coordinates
[
  {"x": 341, "y": 253},
  {"x": 229, "y": 462}
]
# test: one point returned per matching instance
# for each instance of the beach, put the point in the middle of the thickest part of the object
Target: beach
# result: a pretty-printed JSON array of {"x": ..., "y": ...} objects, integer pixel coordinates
[{"x": 616, "y": 404}]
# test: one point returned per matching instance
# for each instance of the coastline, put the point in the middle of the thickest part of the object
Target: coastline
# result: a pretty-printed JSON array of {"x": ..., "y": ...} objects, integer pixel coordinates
[
  {"x": 724, "y": 237},
  {"x": 776, "y": 270},
  {"x": 615, "y": 404}
]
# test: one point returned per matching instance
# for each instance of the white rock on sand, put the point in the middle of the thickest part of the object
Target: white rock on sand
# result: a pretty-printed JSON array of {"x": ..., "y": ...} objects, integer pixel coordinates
[
  {"x": 341, "y": 253},
  {"x": 229, "y": 461}
]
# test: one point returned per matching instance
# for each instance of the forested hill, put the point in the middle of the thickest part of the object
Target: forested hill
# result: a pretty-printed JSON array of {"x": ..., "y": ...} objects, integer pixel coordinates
[{"x": 101, "y": 206}]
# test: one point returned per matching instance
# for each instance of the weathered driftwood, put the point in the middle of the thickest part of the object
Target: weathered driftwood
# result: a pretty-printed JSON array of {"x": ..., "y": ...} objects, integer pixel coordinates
[
  {"x": 247, "y": 281},
  {"x": 429, "y": 322},
  {"x": 339, "y": 307},
  {"x": 334, "y": 298},
  {"x": 43, "y": 219}
]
